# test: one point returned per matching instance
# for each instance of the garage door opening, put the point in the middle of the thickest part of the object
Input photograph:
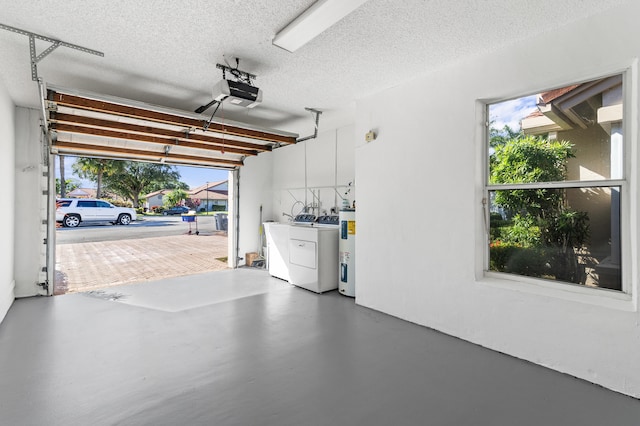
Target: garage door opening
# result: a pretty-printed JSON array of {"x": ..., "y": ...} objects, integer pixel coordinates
[
  {"x": 178, "y": 226},
  {"x": 138, "y": 136}
]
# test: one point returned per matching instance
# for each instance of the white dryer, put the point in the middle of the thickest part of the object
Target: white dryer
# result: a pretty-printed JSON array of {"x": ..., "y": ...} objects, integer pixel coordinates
[{"x": 313, "y": 257}]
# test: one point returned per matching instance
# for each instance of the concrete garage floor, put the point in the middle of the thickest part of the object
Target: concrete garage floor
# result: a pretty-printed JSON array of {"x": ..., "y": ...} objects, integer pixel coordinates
[
  {"x": 95, "y": 265},
  {"x": 238, "y": 347}
]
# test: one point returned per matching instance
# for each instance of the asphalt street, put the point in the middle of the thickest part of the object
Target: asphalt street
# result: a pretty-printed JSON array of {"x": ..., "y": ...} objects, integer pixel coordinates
[{"x": 144, "y": 227}]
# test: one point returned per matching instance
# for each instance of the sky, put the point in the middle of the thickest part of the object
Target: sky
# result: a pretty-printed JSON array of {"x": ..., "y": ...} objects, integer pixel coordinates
[
  {"x": 511, "y": 112},
  {"x": 192, "y": 176}
]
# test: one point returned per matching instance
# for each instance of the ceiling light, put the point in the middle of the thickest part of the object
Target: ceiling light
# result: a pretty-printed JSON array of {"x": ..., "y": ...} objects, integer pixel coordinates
[{"x": 313, "y": 21}]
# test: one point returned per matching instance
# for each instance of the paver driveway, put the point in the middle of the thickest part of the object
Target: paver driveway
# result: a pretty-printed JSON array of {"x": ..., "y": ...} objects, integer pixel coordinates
[{"x": 89, "y": 266}]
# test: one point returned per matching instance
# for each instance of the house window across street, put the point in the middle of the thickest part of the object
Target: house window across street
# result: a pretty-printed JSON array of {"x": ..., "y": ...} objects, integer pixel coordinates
[{"x": 555, "y": 184}]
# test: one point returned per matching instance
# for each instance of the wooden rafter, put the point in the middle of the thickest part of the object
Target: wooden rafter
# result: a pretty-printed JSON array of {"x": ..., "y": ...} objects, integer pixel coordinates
[
  {"x": 109, "y": 151},
  {"x": 73, "y": 101},
  {"x": 137, "y": 137},
  {"x": 174, "y": 135},
  {"x": 97, "y": 126}
]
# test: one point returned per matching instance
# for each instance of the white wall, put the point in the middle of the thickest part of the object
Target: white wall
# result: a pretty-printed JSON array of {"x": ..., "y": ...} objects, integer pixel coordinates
[
  {"x": 330, "y": 163},
  {"x": 427, "y": 266},
  {"x": 7, "y": 166},
  {"x": 30, "y": 252},
  {"x": 276, "y": 180},
  {"x": 255, "y": 191}
]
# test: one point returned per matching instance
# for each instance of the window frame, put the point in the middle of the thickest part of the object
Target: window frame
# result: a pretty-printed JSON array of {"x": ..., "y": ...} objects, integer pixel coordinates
[{"x": 617, "y": 298}]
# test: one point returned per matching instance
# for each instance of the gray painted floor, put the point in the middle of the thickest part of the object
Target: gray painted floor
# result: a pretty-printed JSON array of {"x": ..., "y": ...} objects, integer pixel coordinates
[{"x": 241, "y": 348}]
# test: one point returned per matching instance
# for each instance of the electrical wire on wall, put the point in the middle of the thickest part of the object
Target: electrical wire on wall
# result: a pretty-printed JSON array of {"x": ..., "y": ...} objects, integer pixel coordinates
[
  {"x": 236, "y": 184},
  {"x": 305, "y": 178},
  {"x": 335, "y": 179}
]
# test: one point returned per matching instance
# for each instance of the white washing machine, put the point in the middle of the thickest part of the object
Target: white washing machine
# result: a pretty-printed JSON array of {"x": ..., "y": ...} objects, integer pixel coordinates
[
  {"x": 277, "y": 249},
  {"x": 313, "y": 257}
]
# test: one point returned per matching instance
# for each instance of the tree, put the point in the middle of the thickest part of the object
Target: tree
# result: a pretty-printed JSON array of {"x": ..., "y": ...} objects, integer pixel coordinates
[
  {"x": 62, "y": 189},
  {"x": 134, "y": 179},
  {"x": 95, "y": 169},
  {"x": 566, "y": 230},
  {"x": 193, "y": 203},
  {"x": 70, "y": 185},
  {"x": 167, "y": 184},
  {"x": 499, "y": 137},
  {"x": 530, "y": 159},
  {"x": 542, "y": 225},
  {"x": 175, "y": 198}
]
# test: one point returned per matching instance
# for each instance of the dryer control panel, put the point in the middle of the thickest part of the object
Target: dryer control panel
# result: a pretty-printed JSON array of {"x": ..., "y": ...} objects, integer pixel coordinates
[{"x": 305, "y": 218}]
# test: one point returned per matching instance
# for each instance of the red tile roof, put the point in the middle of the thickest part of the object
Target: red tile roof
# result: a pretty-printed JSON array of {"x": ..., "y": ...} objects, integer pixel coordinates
[
  {"x": 207, "y": 186},
  {"x": 535, "y": 113},
  {"x": 546, "y": 97}
]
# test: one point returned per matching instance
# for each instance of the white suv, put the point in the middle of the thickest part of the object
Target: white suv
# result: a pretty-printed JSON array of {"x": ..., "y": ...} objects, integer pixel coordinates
[{"x": 71, "y": 211}]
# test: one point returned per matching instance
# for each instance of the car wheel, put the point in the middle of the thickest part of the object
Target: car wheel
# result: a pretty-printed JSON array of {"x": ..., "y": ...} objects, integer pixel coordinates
[
  {"x": 124, "y": 219},
  {"x": 71, "y": 221},
  {"x": 165, "y": 214}
]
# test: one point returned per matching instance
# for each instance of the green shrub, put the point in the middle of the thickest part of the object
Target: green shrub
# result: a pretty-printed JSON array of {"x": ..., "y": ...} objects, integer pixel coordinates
[
  {"x": 499, "y": 254},
  {"x": 495, "y": 217},
  {"x": 516, "y": 259},
  {"x": 523, "y": 231},
  {"x": 120, "y": 203}
]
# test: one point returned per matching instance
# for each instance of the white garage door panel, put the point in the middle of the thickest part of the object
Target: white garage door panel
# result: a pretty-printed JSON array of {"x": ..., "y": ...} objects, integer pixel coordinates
[{"x": 31, "y": 205}]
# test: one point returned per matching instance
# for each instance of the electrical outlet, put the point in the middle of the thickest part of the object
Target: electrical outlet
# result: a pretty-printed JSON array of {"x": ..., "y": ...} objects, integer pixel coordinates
[{"x": 370, "y": 136}]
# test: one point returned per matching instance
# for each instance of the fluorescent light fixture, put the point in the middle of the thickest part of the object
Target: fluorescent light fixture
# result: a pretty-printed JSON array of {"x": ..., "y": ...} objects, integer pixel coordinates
[{"x": 313, "y": 21}]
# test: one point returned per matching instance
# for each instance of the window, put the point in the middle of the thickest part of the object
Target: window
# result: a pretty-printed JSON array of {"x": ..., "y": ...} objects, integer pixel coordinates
[
  {"x": 87, "y": 203},
  {"x": 555, "y": 175},
  {"x": 103, "y": 204}
]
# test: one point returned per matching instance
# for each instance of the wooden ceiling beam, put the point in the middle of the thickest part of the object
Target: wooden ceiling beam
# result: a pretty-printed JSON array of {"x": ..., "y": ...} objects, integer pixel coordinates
[
  {"x": 107, "y": 133},
  {"x": 173, "y": 135},
  {"x": 139, "y": 154},
  {"x": 73, "y": 101},
  {"x": 123, "y": 157}
]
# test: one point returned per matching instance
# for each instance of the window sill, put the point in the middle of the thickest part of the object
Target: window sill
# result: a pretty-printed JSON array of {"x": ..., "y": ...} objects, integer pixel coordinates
[{"x": 605, "y": 298}]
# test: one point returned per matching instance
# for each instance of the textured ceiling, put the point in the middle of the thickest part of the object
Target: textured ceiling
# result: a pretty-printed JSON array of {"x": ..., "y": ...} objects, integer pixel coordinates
[{"x": 165, "y": 52}]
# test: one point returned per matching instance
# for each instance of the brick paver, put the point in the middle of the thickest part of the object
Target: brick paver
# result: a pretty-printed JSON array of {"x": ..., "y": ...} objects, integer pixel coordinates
[{"x": 89, "y": 266}]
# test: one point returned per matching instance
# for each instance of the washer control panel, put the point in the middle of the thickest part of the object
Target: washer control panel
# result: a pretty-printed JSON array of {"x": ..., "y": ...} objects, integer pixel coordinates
[{"x": 305, "y": 218}]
